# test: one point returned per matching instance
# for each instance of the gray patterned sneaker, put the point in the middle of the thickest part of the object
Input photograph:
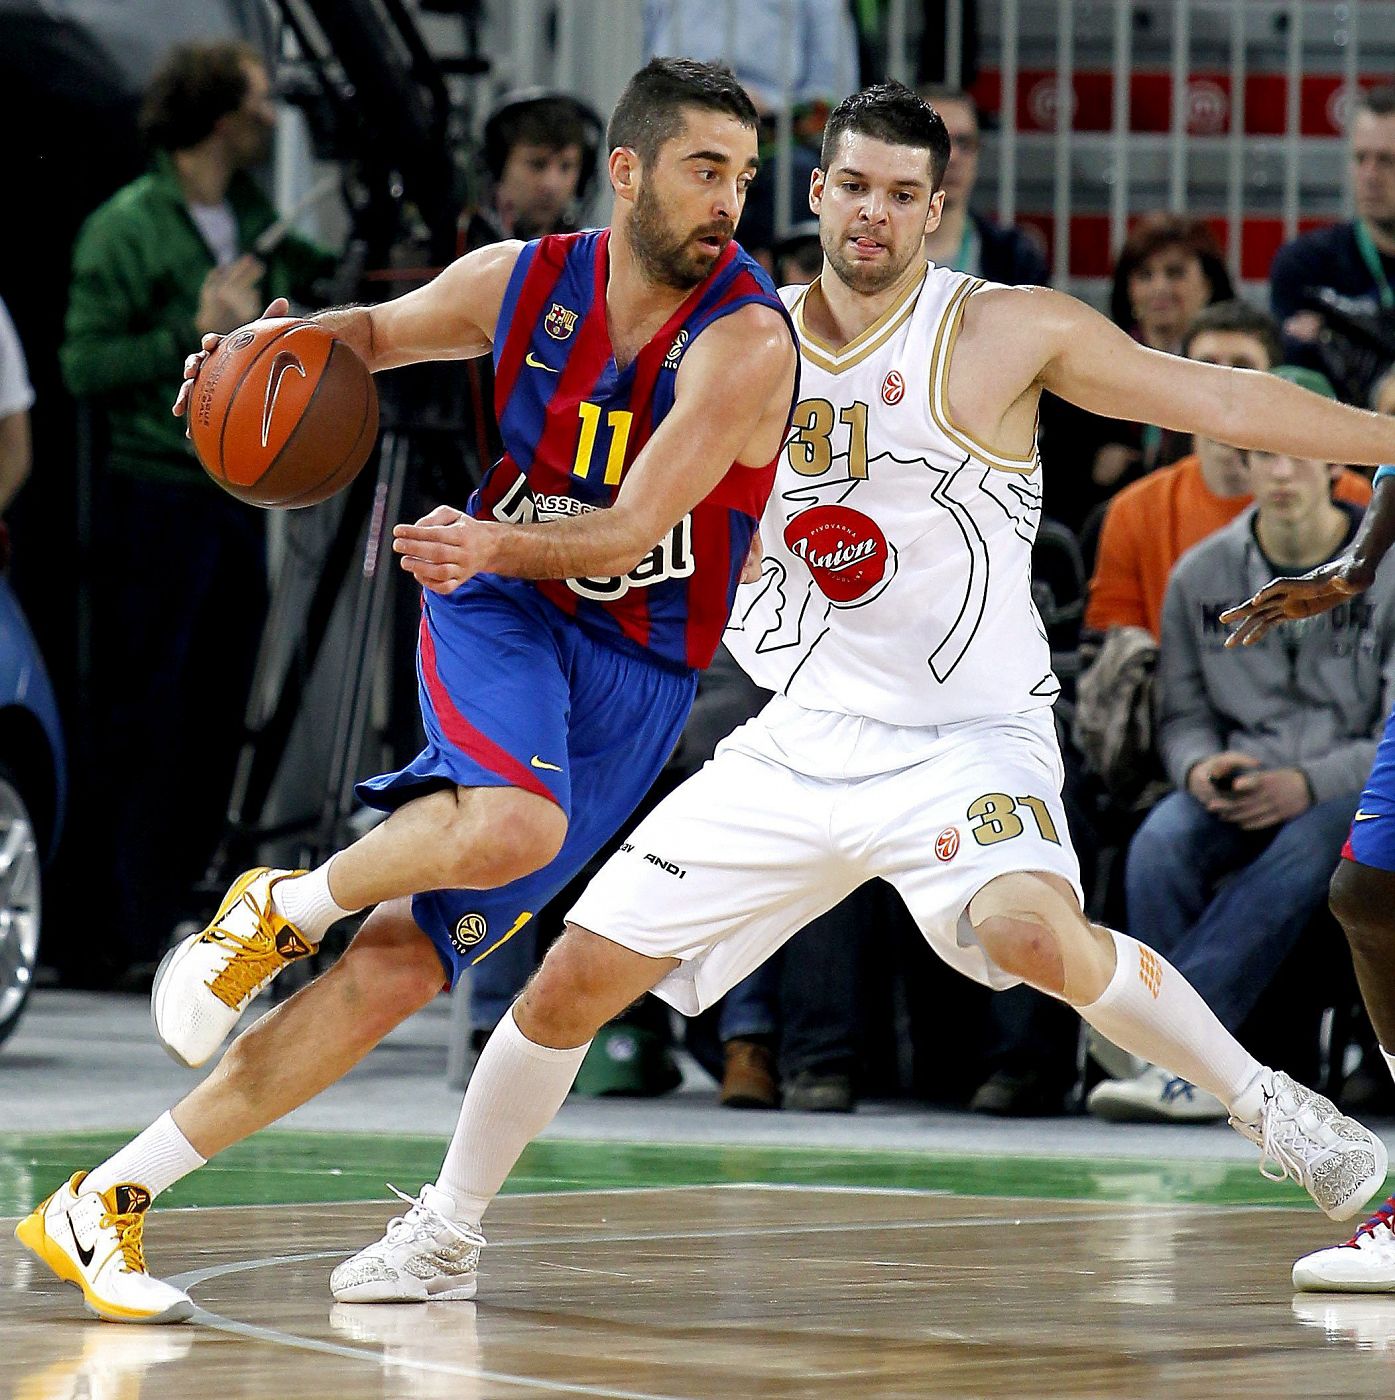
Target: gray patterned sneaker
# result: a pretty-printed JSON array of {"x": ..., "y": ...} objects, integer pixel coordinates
[
  {"x": 1333, "y": 1158},
  {"x": 423, "y": 1257}
]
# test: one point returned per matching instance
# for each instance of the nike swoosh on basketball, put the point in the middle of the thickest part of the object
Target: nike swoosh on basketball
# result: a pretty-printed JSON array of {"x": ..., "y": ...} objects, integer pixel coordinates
[
  {"x": 1367, "y": 816},
  {"x": 282, "y": 363},
  {"x": 84, "y": 1254},
  {"x": 551, "y": 767},
  {"x": 532, "y": 361}
]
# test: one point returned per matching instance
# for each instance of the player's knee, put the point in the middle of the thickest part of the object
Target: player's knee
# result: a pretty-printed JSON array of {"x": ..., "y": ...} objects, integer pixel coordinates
[
  {"x": 499, "y": 836},
  {"x": 1360, "y": 902},
  {"x": 583, "y": 982},
  {"x": 386, "y": 976},
  {"x": 1023, "y": 945}
]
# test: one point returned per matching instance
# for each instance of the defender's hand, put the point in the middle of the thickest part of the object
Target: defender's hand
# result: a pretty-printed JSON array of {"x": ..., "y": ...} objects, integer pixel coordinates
[
  {"x": 209, "y": 343},
  {"x": 1285, "y": 598},
  {"x": 443, "y": 549},
  {"x": 750, "y": 570}
]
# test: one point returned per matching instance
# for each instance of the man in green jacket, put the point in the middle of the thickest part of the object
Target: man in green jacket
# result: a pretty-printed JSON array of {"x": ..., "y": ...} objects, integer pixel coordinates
[{"x": 179, "y": 595}]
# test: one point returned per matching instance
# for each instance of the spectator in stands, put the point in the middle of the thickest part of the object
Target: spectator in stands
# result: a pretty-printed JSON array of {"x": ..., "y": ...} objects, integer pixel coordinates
[
  {"x": 966, "y": 240},
  {"x": 798, "y": 257},
  {"x": 1151, "y": 523},
  {"x": 1333, "y": 289},
  {"x": 1268, "y": 748},
  {"x": 1168, "y": 269},
  {"x": 16, "y": 398},
  {"x": 181, "y": 565},
  {"x": 540, "y": 150}
]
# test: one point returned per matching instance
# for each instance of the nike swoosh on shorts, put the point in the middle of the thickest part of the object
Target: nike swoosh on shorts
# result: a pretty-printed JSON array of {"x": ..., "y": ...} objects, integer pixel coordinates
[{"x": 540, "y": 763}]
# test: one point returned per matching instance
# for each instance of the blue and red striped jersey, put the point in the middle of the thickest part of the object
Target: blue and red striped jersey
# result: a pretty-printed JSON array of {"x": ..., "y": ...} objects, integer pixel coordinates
[{"x": 572, "y": 422}]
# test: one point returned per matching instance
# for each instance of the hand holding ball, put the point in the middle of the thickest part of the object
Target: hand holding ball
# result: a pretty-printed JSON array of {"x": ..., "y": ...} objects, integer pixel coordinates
[{"x": 283, "y": 413}]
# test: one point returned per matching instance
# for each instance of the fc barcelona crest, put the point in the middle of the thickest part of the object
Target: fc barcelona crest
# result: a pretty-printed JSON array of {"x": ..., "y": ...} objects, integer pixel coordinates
[{"x": 560, "y": 322}]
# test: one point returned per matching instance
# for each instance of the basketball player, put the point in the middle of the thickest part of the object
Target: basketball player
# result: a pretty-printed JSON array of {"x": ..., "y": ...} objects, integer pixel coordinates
[
  {"x": 911, "y": 735},
  {"x": 1362, "y": 893},
  {"x": 645, "y": 377}
]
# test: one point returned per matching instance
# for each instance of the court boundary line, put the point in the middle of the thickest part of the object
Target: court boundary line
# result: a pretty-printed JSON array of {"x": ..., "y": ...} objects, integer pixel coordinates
[{"x": 218, "y": 1322}]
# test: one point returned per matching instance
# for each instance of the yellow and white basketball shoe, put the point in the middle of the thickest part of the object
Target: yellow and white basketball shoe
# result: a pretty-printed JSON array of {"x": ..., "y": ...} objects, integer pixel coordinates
[
  {"x": 94, "y": 1241},
  {"x": 1339, "y": 1163},
  {"x": 206, "y": 982},
  {"x": 423, "y": 1257}
]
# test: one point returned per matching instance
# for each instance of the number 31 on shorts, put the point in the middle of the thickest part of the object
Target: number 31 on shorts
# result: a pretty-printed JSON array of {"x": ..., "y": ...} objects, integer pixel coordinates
[{"x": 994, "y": 818}]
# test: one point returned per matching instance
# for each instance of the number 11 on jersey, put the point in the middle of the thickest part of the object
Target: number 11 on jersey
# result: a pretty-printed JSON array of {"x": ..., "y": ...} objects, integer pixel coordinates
[{"x": 618, "y": 420}]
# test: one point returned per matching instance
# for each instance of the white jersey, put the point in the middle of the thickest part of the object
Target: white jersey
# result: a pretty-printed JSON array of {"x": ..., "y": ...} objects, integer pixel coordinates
[{"x": 896, "y": 583}]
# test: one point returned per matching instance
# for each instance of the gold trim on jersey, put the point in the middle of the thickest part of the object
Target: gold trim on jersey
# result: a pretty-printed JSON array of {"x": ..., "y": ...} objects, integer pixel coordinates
[
  {"x": 832, "y": 360},
  {"x": 945, "y": 337}
]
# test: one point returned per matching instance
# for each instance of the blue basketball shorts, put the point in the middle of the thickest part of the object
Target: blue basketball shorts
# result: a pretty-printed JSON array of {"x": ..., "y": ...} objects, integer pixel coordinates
[
  {"x": 1372, "y": 839},
  {"x": 514, "y": 694}
]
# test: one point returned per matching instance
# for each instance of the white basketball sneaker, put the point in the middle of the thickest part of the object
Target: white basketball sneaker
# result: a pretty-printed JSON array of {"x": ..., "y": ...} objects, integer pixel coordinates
[
  {"x": 1155, "y": 1096},
  {"x": 423, "y": 1256},
  {"x": 1332, "y": 1157},
  {"x": 1364, "y": 1264},
  {"x": 94, "y": 1241},
  {"x": 206, "y": 982}
]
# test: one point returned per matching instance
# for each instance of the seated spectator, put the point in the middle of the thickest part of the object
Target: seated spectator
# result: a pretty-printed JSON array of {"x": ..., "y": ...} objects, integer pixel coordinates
[
  {"x": 966, "y": 240},
  {"x": 1268, "y": 748},
  {"x": 1333, "y": 290},
  {"x": 1168, "y": 269},
  {"x": 1150, "y": 524},
  {"x": 798, "y": 257}
]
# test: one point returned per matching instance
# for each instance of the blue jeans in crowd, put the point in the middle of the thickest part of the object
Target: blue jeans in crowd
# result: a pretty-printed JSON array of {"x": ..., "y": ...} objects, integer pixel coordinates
[{"x": 1226, "y": 906}]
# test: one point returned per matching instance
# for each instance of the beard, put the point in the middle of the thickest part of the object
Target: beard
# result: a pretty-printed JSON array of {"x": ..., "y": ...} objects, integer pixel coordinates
[
  {"x": 865, "y": 278},
  {"x": 671, "y": 259}
]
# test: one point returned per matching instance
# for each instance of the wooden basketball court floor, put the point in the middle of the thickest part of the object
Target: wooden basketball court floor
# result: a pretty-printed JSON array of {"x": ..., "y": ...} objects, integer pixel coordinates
[{"x": 712, "y": 1271}]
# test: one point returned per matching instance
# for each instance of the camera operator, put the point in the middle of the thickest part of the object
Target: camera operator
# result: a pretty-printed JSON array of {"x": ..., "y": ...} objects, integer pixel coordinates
[{"x": 1333, "y": 290}]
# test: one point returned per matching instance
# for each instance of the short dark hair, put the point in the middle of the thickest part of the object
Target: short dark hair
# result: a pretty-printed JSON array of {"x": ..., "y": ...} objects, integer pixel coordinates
[
  {"x": 555, "y": 123},
  {"x": 195, "y": 86},
  {"x": 650, "y": 110},
  {"x": 935, "y": 93},
  {"x": 889, "y": 112},
  {"x": 1151, "y": 234},
  {"x": 1378, "y": 101},
  {"x": 1237, "y": 317}
]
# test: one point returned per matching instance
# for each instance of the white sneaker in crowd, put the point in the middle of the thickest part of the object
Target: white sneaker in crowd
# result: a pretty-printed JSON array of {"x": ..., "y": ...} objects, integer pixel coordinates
[{"x": 1155, "y": 1096}]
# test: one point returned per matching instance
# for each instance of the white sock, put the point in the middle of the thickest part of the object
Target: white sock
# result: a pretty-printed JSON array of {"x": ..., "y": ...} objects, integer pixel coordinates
[
  {"x": 1388, "y": 1058},
  {"x": 155, "y": 1159},
  {"x": 306, "y": 901},
  {"x": 514, "y": 1093},
  {"x": 1151, "y": 1010}
]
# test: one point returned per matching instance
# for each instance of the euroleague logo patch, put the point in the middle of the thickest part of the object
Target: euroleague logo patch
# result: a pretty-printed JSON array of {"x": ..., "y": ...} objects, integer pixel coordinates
[
  {"x": 947, "y": 844},
  {"x": 468, "y": 931},
  {"x": 845, "y": 550},
  {"x": 893, "y": 388}
]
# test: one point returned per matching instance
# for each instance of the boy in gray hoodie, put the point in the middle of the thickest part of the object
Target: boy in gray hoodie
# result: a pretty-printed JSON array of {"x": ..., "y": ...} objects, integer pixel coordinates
[{"x": 1268, "y": 747}]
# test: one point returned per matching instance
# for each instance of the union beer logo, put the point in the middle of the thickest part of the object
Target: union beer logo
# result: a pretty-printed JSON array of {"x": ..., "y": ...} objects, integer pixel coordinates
[
  {"x": 470, "y": 929},
  {"x": 845, "y": 551},
  {"x": 560, "y": 322},
  {"x": 947, "y": 844}
]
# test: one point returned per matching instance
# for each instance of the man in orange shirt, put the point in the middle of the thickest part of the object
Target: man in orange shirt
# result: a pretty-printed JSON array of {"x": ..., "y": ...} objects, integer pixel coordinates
[{"x": 1150, "y": 524}]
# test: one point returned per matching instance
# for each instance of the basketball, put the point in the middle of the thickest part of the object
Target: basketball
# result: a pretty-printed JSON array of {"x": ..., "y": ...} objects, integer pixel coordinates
[{"x": 283, "y": 413}]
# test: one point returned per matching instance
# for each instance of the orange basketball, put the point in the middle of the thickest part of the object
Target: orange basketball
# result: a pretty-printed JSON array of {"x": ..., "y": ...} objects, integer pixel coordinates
[{"x": 283, "y": 413}]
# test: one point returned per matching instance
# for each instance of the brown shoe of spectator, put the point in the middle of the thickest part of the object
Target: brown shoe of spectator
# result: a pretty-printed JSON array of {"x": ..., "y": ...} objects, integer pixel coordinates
[{"x": 748, "y": 1079}]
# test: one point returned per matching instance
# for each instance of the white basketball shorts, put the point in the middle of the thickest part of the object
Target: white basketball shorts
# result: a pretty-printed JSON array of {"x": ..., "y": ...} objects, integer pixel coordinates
[{"x": 798, "y": 808}]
